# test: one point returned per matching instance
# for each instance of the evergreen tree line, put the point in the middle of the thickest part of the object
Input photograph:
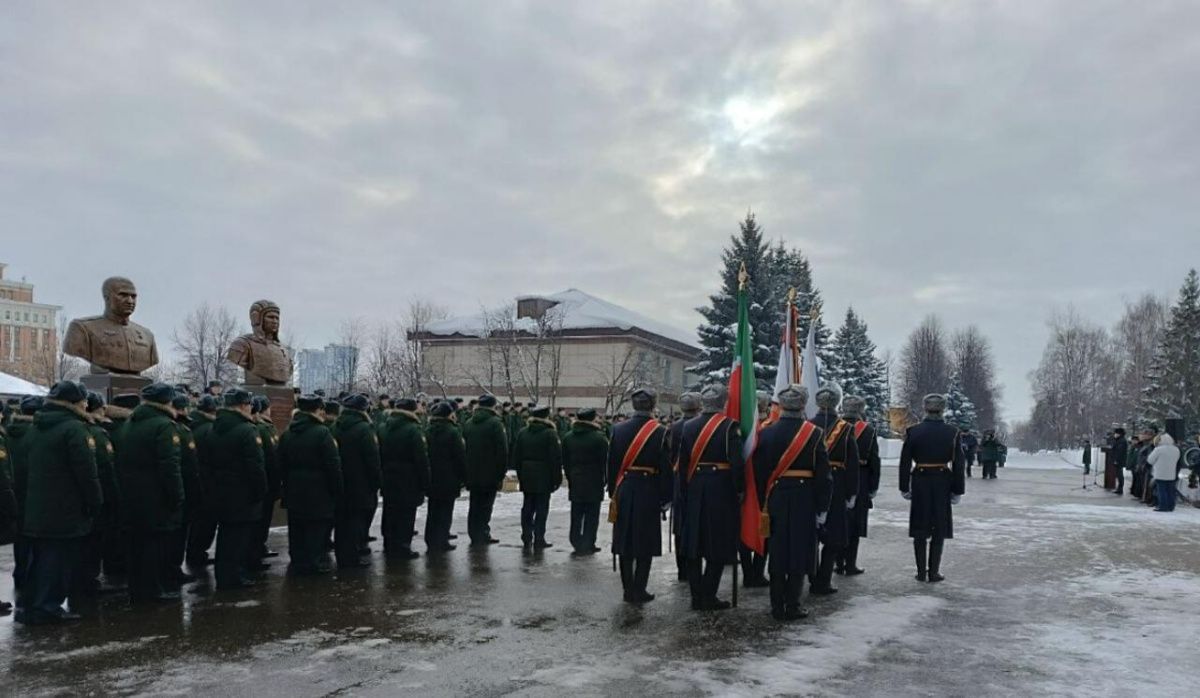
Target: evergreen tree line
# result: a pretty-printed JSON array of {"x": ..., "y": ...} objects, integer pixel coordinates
[{"x": 1146, "y": 368}]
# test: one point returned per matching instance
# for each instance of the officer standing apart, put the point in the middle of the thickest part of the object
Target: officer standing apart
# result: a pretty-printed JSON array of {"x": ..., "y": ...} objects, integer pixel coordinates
[
  {"x": 537, "y": 459},
  {"x": 845, "y": 470},
  {"x": 791, "y": 470},
  {"x": 639, "y": 486},
  {"x": 991, "y": 452},
  {"x": 239, "y": 484},
  {"x": 932, "y": 478},
  {"x": 854, "y": 411},
  {"x": 312, "y": 484},
  {"x": 585, "y": 461},
  {"x": 712, "y": 481},
  {"x": 487, "y": 462}
]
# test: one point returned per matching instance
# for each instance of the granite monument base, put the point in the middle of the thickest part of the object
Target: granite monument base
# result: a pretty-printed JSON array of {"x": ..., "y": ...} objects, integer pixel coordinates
[
  {"x": 110, "y": 385},
  {"x": 282, "y": 403}
]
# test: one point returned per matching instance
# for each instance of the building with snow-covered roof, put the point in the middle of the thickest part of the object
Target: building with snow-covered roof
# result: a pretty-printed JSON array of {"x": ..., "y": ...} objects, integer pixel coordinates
[
  {"x": 570, "y": 350},
  {"x": 28, "y": 333}
]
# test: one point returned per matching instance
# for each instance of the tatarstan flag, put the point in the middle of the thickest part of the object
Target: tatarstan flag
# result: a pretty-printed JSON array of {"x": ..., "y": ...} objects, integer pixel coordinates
[{"x": 743, "y": 408}]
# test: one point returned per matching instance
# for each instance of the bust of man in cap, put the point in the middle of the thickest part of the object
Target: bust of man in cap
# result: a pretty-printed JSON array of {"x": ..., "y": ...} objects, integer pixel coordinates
[
  {"x": 259, "y": 353},
  {"x": 111, "y": 342}
]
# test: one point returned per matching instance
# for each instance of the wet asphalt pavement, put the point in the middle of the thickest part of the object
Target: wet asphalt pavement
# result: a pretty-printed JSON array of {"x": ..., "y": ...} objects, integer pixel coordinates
[{"x": 1050, "y": 590}]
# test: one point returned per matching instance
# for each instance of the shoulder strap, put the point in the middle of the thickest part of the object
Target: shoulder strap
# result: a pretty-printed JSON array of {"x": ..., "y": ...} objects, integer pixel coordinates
[
  {"x": 635, "y": 448},
  {"x": 794, "y": 449},
  {"x": 702, "y": 440},
  {"x": 859, "y": 429},
  {"x": 831, "y": 439}
]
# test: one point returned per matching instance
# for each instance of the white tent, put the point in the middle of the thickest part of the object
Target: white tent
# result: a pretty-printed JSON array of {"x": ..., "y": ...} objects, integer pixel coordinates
[{"x": 11, "y": 385}]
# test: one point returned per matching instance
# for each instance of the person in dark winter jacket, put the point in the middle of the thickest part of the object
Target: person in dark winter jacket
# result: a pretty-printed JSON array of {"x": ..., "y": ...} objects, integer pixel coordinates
[
  {"x": 447, "y": 472},
  {"x": 487, "y": 462},
  {"x": 537, "y": 459},
  {"x": 405, "y": 456},
  {"x": 585, "y": 459},
  {"x": 8, "y": 498},
  {"x": 312, "y": 484},
  {"x": 239, "y": 484},
  {"x": 358, "y": 446}
]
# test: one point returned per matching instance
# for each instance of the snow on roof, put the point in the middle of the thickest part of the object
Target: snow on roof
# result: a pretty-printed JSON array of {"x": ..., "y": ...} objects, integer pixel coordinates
[
  {"x": 11, "y": 385},
  {"x": 580, "y": 311}
]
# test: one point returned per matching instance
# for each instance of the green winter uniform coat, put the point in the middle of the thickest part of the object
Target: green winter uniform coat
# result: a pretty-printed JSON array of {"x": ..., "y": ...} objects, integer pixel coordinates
[
  {"x": 239, "y": 478},
  {"x": 150, "y": 470},
  {"x": 106, "y": 470},
  {"x": 447, "y": 459},
  {"x": 405, "y": 460},
  {"x": 63, "y": 490},
  {"x": 311, "y": 466},
  {"x": 189, "y": 468},
  {"x": 202, "y": 427},
  {"x": 537, "y": 457},
  {"x": 487, "y": 449},
  {"x": 270, "y": 441},
  {"x": 989, "y": 451},
  {"x": 18, "y": 450},
  {"x": 8, "y": 497},
  {"x": 358, "y": 446},
  {"x": 585, "y": 460}
]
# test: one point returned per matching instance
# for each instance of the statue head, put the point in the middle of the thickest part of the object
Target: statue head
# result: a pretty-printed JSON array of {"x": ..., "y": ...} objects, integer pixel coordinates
[
  {"x": 120, "y": 298},
  {"x": 264, "y": 318}
]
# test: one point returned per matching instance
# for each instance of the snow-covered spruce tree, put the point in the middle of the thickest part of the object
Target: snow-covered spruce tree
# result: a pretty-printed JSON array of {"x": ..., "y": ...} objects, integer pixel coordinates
[
  {"x": 858, "y": 370},
  {"x": 1173, "y": 379},
  {"x": 718, "y": 333},
  {"x": 960, "y": 411},
  {"x": 791, "y": 270}
]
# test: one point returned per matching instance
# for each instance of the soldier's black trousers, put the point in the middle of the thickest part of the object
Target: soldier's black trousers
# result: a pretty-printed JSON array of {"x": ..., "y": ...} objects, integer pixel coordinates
[
  {"x": 635, "y": 574},
  {"x": 348, "y": 536},
  {"x": 934, "y": 557},
  {"x": 258, "y": 547},
  {"x": 233, "y": 541},
  {"x": 704, "y": 577},
  {"x": 785, "y": 591},
  {"x": 174, "y": 546},
  {"x": 534, "y": 511},
  {"x": 113, "y": 549},
  {"x": 370, "y": 520},
  {"x": 144, "y": 560},
  {"x": 49, "y": 569},
  {"x": 438, "y": 518},
  {"x": 91, "y": 555},
  {"x": 848, "y": 558},
  {"x": 753, "y": 565},
  {"x": 398, "y": 522},
  {"x": 201, "y": 533},
  {"x": 479, "y": 515},
  {"x": 306, "y": 544},
  {"x": 829, "y": 555},
  {"x": 585, "y": 520}
]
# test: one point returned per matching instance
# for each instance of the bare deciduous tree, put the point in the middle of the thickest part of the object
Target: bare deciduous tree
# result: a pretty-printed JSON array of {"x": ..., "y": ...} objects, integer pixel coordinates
[
  {"x": 924, "y": 363},
  {"x": 972, "y": 360},
  {"x": 202, "y": 342},
  {"x": 344, "y": 366}
]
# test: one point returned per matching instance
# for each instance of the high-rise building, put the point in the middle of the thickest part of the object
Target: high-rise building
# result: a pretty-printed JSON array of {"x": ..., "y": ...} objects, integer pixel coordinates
[
  {"x": 332, "y": 369},
  {"x": 28, "y": 333}
]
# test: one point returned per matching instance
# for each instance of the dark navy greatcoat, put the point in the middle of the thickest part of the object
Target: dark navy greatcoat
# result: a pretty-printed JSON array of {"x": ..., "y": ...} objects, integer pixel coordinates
[
  {"x": 638, "y": 531},
  {"x": 868, "y": 478},
  {"x": 676, "y": 493},
  {"x": 932, "y": 441},
  {"x": 711, "y": 519},
  {"x": 793, "y": 503},
  {"x": 845, "y": 480}
]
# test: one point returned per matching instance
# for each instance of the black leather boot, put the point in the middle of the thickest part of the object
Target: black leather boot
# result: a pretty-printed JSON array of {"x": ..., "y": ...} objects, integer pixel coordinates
[
  {"x": 935, "y": 559},
  {"x": 919, "y": 551}
]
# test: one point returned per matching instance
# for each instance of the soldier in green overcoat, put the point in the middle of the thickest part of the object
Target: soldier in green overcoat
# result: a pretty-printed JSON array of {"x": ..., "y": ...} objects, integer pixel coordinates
[
  {"x": 189, "y": 471},
  {"x": 487, "y": 462},
  {"x": 239, "y": 484},
  {"x": 260, "y": 408},
  {"x": 202, "y": 523},
  {"x": 358, "y": 446},
  {"x": 8, "y": 498},
  {"x": 585, "y": 460},
  {"x": 447, "y": 472},
  {"x": 537, "y": 458},
  {"x": 63, "y": 495},
  {"x": 152, "y": 482},
  {"x": 312, "y": 485},
  {"x": 405, "y": 457},
  {"x": 107, "y": 525}
]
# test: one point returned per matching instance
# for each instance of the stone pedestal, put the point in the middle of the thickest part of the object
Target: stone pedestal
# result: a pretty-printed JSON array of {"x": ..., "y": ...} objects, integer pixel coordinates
[
  {"x": 111, "y": 385},
  {"x": 282, "y": 403}
]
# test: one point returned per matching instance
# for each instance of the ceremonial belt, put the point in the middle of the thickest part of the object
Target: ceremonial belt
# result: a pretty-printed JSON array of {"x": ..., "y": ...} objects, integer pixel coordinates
[
  {"x": 837, "y": 465},
  {"x": 930, "y": 466},
  {"x": 706, "y": 434},
  {"x": 713, "y": 466},
  {"x": 794, "y": 449},
  {"x": 635, "y": 449},
  {"x": 640, "y": 469}
]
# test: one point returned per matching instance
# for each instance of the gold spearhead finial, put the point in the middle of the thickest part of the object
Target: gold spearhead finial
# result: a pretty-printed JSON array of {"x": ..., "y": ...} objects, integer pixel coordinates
[
  {"x": 815, "y": 312},
  {"x": 743, "y": 277},
  {"x": 791, "y": 296}
]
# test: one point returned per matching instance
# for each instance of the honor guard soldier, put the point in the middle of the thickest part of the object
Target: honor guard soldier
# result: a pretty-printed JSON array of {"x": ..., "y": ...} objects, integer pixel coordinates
[
  {"x": 932, "y": 478},
  {"x": 63, "y": 494},
  {"x": 405, "y": 456},
  {"x": 844, "y": 470},
  {"x": 487, "y": 462},
  {"x": 149, "y": 464},
  {"x": 202, "y": 528},
  {"x": 639, "y": 486},
  {"x": 585, "y": 463},
  {"x": 712, "y": 480},
  {"x": 311, "y": 468},
  {"x": 689, "y": 406},
  {"x": 447, "y": 470},
  {"x": 239, "y": 484},
  {"x": 537, "y": 460},
  {"x": 854, "y": 412},
  {"x": 359, "y": 448},
  {"x": 791, "y": 471}
]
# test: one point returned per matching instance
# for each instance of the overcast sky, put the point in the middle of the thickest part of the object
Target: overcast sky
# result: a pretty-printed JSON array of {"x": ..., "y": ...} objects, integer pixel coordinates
[{"x": 985, "y": 161}]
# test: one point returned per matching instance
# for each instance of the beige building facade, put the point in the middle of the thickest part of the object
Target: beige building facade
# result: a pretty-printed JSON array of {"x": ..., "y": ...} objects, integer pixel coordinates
[{"x": 28, "y": 333}]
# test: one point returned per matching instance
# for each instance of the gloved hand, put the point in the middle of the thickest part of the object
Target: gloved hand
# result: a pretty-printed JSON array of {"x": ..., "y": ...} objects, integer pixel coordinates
[
  {"x": 906, "y": 495},
  {"x": 821, "y": 518},
  {"x": 872, "y": 494},
  {"x": 853, "y": 499},
  {"x": 955, "y": 498}
]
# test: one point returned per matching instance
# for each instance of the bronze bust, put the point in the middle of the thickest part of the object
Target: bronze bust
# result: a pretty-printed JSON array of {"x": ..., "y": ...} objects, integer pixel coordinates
[
  {"x": 111, "y": 342},
  {"x": 264, "y": 359}
]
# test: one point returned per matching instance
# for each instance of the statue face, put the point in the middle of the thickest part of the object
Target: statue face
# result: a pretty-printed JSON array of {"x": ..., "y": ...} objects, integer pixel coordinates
[
  {"x": 121, "y": 299},
  {"x": 270, "y": 322}
]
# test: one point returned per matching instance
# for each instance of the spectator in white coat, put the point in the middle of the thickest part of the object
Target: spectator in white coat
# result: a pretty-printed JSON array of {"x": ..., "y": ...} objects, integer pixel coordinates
[{"x": 1164, "y": 460}]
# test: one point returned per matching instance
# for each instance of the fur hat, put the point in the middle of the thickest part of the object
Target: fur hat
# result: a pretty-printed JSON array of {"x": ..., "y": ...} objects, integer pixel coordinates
[
  {"x": 236, "y": 397},
  {"x": 68, "y": 391},
  {"x": 404, "y": 403},
  {"x": 854, "y": 406},
  {"x": 714, "y": 397},
  {"x": 764, "y": 399},
  {"x": 442, "y": 408},
  {"x": 181, "y": 403},
  {"x": 643, "y": 399},
  {"x": 357, "y": 402},
  {"x": 487, "y": 401},
  {"x": 30, "y": 404},
  {"x": 310, "y": 403},
  {"x": 95, "y": 401},
  {"x": 828, "y": 396},
  {"x": 934, "y": 403},
  {"x": 207, "y": 404},
  {"x": 793, "y": 398},
  {"x": 586, "y": 415},
  {"x": 540, "y": 412}
]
